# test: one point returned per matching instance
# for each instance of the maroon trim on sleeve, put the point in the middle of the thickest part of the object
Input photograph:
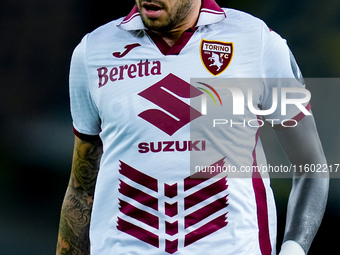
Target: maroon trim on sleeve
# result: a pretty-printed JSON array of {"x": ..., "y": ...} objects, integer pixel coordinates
[
  {"x": 292, "y": 122},
  {"x": 86, "y": 138}
]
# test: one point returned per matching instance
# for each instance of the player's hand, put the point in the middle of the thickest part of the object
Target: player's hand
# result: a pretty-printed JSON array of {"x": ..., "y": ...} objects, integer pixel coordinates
[{"x": 291, "y": 248}]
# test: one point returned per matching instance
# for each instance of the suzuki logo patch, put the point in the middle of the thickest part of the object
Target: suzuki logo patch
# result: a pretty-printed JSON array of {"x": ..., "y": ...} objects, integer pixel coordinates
[
  {"x": 160, "y": 213},
  {"x": 216, "y": 56},
  {"x": 176, "y": 113}
]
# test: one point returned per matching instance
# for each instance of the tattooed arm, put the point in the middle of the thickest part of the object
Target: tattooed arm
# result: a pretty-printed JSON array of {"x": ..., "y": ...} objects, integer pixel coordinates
[{"x": 76, "y": 209}]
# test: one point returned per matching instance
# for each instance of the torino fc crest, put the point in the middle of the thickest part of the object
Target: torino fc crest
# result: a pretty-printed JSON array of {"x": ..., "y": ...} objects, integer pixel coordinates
[{"x": 216, "y": 56}]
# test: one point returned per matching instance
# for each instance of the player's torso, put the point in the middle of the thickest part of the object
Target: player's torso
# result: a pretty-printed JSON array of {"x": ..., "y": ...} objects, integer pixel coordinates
[
  {"x": 151, "y": 113},
  {"x": 130, "y": 79}
]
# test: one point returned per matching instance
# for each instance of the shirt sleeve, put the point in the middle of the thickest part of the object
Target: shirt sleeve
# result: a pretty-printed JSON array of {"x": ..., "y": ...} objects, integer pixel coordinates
[
  {"x": 86, "y": 120},
  {"x": 282, "y": 79}
]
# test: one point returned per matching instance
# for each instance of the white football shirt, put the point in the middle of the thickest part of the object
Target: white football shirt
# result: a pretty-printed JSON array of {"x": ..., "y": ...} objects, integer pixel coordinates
[{"x": 143, "y": 98}]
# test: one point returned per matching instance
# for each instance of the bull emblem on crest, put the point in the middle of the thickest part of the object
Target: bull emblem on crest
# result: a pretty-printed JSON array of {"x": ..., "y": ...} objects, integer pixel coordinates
[{"x": 216, "y": 61}]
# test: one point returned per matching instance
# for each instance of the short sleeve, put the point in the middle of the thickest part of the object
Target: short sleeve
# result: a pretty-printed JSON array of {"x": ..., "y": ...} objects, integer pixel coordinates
[
  {"x": 282, "y": 79},
  {"x": 86, "y": 121}
]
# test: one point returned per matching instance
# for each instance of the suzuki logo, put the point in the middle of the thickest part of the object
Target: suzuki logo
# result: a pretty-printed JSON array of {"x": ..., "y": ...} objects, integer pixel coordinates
[{"x": 175, "y": 113}]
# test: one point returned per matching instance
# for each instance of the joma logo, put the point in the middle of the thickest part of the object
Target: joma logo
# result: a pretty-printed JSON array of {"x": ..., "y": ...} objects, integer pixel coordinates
[
  {"x": 176, "y": 113},
  {"x": 200, "y": 219}
]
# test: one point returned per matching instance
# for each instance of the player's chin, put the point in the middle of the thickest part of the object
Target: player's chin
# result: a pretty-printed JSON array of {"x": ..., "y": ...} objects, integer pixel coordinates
[
  {"x": 158, "y": 24},
  {"x": 156, "y": 27}
]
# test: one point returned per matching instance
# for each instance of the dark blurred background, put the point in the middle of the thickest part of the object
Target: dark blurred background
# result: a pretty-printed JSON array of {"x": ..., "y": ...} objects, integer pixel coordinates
[{"x": 37, "y": 40}]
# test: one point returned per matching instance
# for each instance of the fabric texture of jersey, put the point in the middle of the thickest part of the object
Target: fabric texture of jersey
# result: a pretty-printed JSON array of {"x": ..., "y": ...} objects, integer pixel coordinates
[{"x": 143, "y": 103}]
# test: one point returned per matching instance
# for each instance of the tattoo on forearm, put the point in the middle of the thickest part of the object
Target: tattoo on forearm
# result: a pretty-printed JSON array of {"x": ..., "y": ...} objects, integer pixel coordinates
[
  {"x": 77, "y": 206},
  {"x": 85, "y": 166}
]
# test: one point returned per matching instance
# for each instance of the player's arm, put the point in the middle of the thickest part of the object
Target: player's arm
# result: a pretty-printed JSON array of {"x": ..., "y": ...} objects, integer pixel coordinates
[
  {"x": 308, "y": 197},
  {"x": 73, "y": 237}
]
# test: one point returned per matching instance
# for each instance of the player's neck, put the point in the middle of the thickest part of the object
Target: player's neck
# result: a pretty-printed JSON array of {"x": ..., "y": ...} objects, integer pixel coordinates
[{"x": 190, "y": 21}]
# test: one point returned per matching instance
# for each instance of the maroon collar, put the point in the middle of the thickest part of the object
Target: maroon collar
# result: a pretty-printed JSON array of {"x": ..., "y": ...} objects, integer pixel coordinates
[
  {"x": 210, "y": 13},
  {"x": 165, "y": 48}
]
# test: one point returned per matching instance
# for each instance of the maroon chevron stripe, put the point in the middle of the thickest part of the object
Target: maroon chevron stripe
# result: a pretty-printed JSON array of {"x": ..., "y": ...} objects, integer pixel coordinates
[
  {"x": 138, "y": 195},
  {"x": 171, "y": 209},
  {"x": 205, "y": 212},
  {"x": 138, "y": 177},
  {"x": 171, "y": 228},
  {"x": 170, "y": 191},
  {"x": 205, "y": 193},
  {"x": 139, "y": 214},
  {"x": 199, "y": 177},
  {"x": 171, "y": 246},
  {"x": 138, "y": 232},
  {"x": 205, "y": 230}
]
